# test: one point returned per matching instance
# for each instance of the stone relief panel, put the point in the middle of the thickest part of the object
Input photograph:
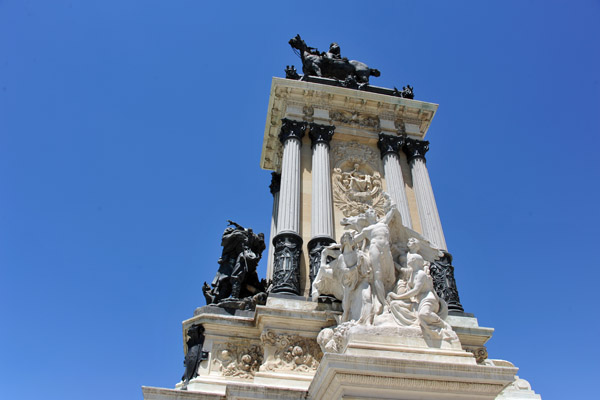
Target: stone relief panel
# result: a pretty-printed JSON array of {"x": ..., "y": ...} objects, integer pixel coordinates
[
  {"x": 290, "y": 352},
  {"x": 356, "y": 181},
  {"x": 355, "y": 118},
  {"x": 239, "y": 360}
]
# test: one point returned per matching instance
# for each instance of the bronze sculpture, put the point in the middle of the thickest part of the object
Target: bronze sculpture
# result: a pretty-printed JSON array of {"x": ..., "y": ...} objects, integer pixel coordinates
[
  {"x": 331, "y": 64},
  {"x": 236, "y": 278}
]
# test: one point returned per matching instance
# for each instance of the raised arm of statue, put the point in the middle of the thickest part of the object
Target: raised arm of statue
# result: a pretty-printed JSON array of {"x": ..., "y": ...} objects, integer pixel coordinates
[{"x": 387, "y": 219}]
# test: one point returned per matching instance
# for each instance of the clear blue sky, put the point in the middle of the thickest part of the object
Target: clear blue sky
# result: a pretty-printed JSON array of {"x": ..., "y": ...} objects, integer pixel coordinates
[{"x": 131, "y": 130}]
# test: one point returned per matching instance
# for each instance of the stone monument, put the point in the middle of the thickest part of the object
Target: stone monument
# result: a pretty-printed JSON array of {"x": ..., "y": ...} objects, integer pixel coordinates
[{"x": 361, "y": 300}]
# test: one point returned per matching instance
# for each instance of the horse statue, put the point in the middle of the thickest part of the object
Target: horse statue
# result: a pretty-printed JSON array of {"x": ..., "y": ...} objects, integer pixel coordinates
[{"x": 331, "y": 64}]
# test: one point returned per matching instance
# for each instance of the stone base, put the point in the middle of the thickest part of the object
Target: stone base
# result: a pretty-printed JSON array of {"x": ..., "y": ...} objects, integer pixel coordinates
[
  {"x": 343, "y": 376},
  {"x": 272, "y": 353}
]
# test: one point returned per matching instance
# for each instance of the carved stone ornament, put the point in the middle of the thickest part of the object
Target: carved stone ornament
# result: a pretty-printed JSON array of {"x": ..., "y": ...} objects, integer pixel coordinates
[
  {"x": 315, "y": 247},
  {"x": 444, "y": 283},
  {"x": 286, "y": 268},
  {"x": 415, "y": 148},
  {"x": 355, "y": 118},
  {"x": 275, "y": 185},
  {"x": 320, "y": 133},
  {"x": 291, "y": 129},
  {"x": 290, "y": 352},
  {"x": 480, "y": 353},
  {"x": 355, "y": 190},
  {"x": 389, "y": 144},
  {"x": 240, "y": 360},
  {"x": 351, "y": 153}
]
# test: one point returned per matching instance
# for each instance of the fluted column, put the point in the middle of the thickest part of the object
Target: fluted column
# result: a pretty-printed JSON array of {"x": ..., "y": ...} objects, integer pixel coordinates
[
  {"x": 389, "y": 147},
  {"x": 322, "y": 204},
  {"x": 274, "y": 188},
  {"x": 442, "y": 270},
  {"x": 428, "y": 212},
  {"x": 287, "y": 242}
]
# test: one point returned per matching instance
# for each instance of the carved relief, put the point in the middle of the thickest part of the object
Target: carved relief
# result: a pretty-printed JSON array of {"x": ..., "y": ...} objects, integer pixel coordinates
[
  {"x": 354, "y": 153},
  {"x": 355, "y": 118},
  {"x": 355, "y": 190},
  {"x": 480, "y": 353},
  {"x": 240, "y": 360},
  {"x": 289, "y": 352}
]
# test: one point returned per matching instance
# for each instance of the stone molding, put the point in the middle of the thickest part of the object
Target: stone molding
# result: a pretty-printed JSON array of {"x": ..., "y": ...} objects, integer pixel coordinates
[
  {"x": 354, "y": 112},
  {"x": 320, "y": 133},
  {"x": 286, "y": 268},
  {"x": 291, "y": 129},
  {"x": 414, "y": 149}
]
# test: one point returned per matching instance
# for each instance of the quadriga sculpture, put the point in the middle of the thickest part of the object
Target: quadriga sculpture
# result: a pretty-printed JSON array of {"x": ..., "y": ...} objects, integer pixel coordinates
[{"x": 331, "y": 64}]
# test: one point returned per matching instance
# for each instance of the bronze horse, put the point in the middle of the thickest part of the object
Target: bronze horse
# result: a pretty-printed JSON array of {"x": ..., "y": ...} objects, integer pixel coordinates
[{"x": 316, "y": 63}]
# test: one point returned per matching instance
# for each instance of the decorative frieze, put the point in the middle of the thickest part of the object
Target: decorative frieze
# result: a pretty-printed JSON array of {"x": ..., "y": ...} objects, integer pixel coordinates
[
  {"x": 239, "y": 360},
  {"x": 355, "y": 118},
  {"x": 289, "y": 352},
  {"x": 286, "y": 268}
]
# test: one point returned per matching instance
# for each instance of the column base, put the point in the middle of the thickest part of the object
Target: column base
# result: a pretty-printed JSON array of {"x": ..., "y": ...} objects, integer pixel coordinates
[
  {"x": 315, "y": 247},
  {"x": 286, "y": 268}
]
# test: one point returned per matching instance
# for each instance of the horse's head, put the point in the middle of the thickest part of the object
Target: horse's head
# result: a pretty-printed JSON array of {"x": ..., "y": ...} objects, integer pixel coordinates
[{"x": 297, "y": 43}]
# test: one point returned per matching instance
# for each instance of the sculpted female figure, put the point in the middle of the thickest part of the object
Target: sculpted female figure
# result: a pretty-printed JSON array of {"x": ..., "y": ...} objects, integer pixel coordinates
[{"x": 430, "y": 309}]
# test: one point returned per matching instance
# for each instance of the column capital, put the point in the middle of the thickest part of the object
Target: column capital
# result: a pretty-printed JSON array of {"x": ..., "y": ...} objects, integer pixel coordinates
[
  {"x": 389, "y": 144},
  {"x": 320, "y": 133},
  {"x": 275, "y": 183},
  {"x": 415, "y": 148},
  {"x": 291, "y": 129}
]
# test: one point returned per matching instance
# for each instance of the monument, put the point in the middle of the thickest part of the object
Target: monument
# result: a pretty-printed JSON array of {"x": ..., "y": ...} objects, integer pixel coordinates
[{"x": 360, "y": 299}]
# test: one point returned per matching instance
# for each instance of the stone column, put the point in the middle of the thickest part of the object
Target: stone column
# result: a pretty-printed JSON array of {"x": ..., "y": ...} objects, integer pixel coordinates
[
  {"x": 442, "y": 270},
  {"x": 389, "y": 147},
  {"x": 287, "y": 242},
  {"x": 428, "y": 212},
  {"x": 274, "y": 188},
  {"x": 322, "y": 204}
]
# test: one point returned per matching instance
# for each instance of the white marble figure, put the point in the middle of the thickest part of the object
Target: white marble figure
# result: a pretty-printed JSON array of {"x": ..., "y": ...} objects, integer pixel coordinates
[
  {"x": 377, "y": 233},
  {"x": 348, "y": 278},
  {"x": 428, "y": 308}
]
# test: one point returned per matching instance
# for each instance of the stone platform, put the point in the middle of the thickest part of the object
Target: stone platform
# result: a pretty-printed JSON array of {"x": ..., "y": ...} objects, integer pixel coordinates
[{"x": 272, "y": 353}]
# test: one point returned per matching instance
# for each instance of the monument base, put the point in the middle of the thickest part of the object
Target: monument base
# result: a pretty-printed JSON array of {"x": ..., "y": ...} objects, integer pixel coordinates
[{"x": 272, "y": 353}]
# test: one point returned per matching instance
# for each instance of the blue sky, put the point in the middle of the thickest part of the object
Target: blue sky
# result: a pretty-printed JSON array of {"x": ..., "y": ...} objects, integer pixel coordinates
[{"x": 131, "y": 131}]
